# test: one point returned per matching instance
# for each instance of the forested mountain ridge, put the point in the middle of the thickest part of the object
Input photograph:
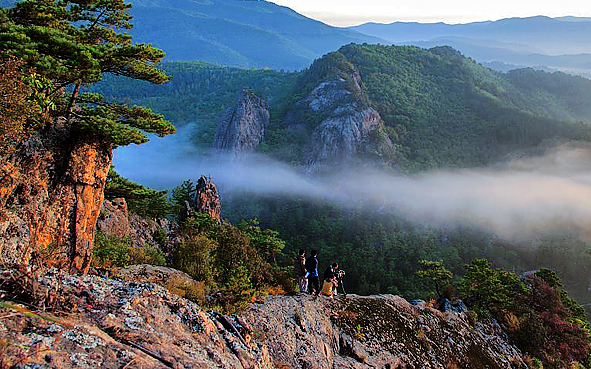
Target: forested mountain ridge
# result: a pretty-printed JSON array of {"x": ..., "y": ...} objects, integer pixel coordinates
[
  {"x": 442, "y": 105},
  {"x": 437, "y": 106}
]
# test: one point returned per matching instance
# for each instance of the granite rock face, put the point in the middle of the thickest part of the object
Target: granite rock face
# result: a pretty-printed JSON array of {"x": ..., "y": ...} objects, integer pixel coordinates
[
  {"x": 347, "y": 124},
  {"x": 243, "y": 127},
  {"x": 133, "y": 324},
  {"x": 375, "y": 332},
  {"x": 113, "y": 219},
  {"x": 51, "y": 191},
  {"x": 116, "y": 324}
]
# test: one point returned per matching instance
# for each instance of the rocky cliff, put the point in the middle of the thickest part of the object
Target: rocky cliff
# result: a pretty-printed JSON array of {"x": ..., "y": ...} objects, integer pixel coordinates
[
  {"x": 243, "y": 127},
  {"x": 51, "y": 191},
  {"x": 115, "y": 324},
  {"x": 347, "y": 125}
]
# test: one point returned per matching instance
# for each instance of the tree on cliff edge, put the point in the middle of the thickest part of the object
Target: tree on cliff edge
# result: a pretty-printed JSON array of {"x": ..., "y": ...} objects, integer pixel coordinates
[{"x": 73, "y": 42}]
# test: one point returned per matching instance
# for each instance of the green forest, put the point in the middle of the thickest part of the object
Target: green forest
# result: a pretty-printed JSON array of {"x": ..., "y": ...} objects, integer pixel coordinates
[
  {"x": 381, "y": 254},
  {"x": 66, "y": 61},
  {"x": 440, "y": 108}
]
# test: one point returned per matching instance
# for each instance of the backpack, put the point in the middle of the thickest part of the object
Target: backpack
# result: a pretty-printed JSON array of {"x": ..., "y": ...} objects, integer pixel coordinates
[{"x": 310, "y": 264}]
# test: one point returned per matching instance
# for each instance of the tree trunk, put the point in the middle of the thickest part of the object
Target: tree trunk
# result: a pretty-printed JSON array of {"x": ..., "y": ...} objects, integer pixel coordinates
[{"x": 73, "y": 100}]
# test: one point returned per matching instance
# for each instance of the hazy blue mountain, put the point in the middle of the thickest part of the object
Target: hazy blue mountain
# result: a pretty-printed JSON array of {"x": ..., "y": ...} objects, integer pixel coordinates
[
  {"x": 540, "y": 42},
  {"x": 236, "y": 32},
  {"x": 550, "y": 35},
  {"x": 496, "y": 53}
]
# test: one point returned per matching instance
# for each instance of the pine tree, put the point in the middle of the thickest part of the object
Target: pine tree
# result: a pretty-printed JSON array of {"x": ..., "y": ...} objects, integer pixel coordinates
[
  {"x": 73, "y": 43},
  {"x": 436, "y": 272}
]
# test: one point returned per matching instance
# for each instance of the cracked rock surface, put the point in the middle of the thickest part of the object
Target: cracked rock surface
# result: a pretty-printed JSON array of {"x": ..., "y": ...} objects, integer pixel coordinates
[{"x": 111, "y": 323}]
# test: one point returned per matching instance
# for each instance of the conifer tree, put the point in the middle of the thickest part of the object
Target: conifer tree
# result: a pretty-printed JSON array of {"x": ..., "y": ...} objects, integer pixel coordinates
[
  {"x": 73, "y": 43},
  {"x": 435, "y": 271}
]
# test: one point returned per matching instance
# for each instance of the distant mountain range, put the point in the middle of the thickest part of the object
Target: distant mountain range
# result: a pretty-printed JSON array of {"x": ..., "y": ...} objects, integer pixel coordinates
[
  {"x": 261, "y": 34},
  {"x": 240, "y": 33},
  {"x": 543, "y": 42}
]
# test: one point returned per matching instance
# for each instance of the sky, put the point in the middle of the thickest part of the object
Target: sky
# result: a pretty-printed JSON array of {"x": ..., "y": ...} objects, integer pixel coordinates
[{"x": 353, "y": 12}]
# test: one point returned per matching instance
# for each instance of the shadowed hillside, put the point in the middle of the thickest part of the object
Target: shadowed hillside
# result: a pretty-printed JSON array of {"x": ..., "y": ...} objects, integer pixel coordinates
[{"x": 248, "y": 34}]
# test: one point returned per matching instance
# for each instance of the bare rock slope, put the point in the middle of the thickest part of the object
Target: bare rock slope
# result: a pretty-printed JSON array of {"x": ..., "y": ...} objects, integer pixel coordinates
[
  {"x": 243, "y": 127},
  {"x": 116, "y": 220},
  {"x": 341, "y": 122},
  {"x": 116, "y": 324}
]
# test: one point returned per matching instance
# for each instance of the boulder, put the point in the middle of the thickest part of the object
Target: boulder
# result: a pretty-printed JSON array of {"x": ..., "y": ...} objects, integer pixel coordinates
[{"x": 113, "y": 219}]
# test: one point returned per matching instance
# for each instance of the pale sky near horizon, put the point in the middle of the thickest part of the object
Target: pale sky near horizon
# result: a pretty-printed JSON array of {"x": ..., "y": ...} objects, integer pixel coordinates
[{"x": 353, "y": 12}]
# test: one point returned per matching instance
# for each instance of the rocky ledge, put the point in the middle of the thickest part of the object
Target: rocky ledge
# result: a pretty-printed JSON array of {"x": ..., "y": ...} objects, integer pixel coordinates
[{"x": 112, "y": 323}]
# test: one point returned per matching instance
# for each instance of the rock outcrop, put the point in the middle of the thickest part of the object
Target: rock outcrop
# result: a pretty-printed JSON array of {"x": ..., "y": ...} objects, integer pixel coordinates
[
  {"x": 344, "y": 130},
  {"x": 52, "y": 190},
  {"x": 207, "y": 199},
  {"x": 243, "y": 127},
  {"x": 375, "y": 332},
  {"x": 347, "y": 126},
  {"x": 115, "y": 220},
  {"x": 114, "y": 324}
]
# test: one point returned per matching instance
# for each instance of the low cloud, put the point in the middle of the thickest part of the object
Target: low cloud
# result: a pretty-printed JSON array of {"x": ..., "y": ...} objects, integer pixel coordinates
[{"x": 515, "y": 199}]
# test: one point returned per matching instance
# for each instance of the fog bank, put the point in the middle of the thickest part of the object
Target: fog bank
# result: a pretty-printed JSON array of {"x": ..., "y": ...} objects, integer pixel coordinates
[{"x": 517, "y": 198}]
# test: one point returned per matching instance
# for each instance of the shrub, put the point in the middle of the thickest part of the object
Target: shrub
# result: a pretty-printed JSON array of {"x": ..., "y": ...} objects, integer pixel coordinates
[
  {"x": 196, "y": 258},
  {"x": 110, "y": 251},
  {"x": 191, "y": 290},
  {"x": 535, "y": 312},
  {"x": 113, "y": 252},
  {"x": 146, "y": 255},
  {"x": 487, "y": 290}
]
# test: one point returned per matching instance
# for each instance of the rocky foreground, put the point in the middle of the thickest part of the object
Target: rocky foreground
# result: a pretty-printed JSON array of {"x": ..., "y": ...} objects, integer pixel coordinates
[{"x": 113, "y": 323}]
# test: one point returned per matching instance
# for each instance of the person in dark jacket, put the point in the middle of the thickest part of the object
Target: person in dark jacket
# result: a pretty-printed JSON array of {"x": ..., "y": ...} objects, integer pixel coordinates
[
  {"x": 312, "y": 269},
  {"x": 299, "y": 266},
  {"x": 331, "y": 272}
]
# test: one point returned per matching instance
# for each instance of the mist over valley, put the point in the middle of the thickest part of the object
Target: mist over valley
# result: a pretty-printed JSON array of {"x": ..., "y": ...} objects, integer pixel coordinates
[{"x": 177, "y": 176}]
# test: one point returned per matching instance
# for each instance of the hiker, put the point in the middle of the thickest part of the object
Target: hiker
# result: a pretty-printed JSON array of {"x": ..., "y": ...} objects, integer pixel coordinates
[
  {"x": 312, "y": 269},
  {"x": 299, "y": 266},
  {"x": 330, "y": 280}
]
